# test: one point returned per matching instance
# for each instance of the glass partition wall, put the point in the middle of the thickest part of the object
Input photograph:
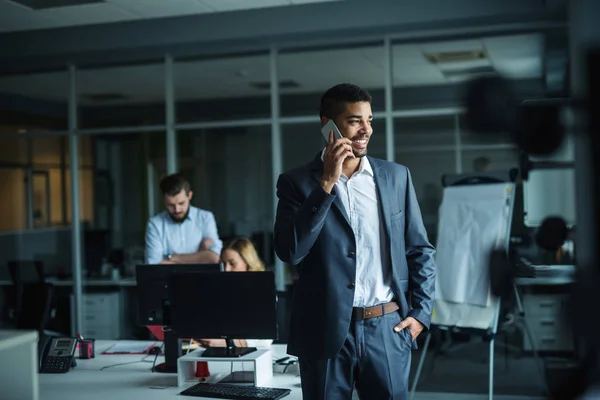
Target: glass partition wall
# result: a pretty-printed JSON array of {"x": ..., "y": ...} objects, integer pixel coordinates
[{"x": 231, "y": 124}]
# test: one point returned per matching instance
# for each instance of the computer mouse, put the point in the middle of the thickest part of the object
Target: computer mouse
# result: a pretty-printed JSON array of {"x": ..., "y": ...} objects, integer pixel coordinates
[{"x": 154, "y": 350}]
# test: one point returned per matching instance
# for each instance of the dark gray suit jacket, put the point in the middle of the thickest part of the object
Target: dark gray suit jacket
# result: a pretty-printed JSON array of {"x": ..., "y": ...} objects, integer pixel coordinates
[{"x": 312, "y": 231}]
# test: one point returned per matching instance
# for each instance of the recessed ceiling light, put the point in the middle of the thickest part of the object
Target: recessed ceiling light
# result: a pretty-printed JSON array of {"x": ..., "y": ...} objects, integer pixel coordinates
[{"x": 41, "y": 4}]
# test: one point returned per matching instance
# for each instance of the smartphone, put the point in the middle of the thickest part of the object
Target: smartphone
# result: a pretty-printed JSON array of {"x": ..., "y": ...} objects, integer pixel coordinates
[{"x": 328, "y": 127}]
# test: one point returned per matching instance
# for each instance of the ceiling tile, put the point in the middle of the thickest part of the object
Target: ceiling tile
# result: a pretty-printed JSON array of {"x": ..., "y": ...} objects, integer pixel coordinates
[
  {"x": 312, "y": 70},
  {"x": 514, "y": 47},
  {"x": 520, "y": 68},
  {"x": 464, "y": 65},
  {"x": 229, "y": 77},
  {"x": 162, "y": 8},
  {"x": 410, "y": 76},
  {"x": 409, "y": 54},
  {"x": 450, "y": 46},
  {"x": 89, "y": 14},
  {"x": 9, "y": 13},
  {"x": 11, "y": 10},
  {"x": 138, "y": 83},
  {"x": 15, "y": 17},
  {"x": 47, "y": 86}
]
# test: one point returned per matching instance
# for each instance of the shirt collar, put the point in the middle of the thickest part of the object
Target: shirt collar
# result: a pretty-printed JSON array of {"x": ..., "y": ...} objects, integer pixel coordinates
[
  {"x": 365, "y": 165},
  {"x": 188, "y": 217}
]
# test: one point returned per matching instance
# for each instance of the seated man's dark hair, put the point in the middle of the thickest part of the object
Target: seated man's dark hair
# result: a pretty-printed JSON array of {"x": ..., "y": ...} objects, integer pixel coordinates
[{"x": 171, "y": 185}]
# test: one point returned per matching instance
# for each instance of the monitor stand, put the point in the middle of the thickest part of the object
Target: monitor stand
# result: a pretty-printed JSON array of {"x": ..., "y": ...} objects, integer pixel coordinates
[
  {"x": 229, "y": 351},
  {"x": 172, "y": 353}
]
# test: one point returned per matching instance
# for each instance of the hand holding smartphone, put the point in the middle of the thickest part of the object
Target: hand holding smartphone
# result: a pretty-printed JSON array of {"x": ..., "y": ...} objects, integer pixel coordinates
[{"x": 334, "y": 155}]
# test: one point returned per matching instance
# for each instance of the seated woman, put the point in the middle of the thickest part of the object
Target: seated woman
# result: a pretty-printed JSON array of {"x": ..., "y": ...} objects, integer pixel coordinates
[{"x": 239, "y": 255}]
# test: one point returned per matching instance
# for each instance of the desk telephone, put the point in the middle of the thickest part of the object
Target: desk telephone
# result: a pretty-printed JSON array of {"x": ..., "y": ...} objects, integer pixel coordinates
[{"x": 56, "y": 355}]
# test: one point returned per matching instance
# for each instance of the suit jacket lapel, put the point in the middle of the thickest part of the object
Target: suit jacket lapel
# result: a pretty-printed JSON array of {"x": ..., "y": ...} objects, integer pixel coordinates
[
  {"x": 317, "y": 171},
  {"x": 382, "y": 184}
]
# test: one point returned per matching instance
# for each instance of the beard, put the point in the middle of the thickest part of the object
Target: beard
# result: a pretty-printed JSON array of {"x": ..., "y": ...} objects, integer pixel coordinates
[
  {"x": 359, "y": 155},
  {"x": 179, "y": 218}
]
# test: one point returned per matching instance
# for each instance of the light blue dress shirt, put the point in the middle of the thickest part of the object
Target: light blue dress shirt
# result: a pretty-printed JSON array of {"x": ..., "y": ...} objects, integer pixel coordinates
[{"x": 165, "y": 236}]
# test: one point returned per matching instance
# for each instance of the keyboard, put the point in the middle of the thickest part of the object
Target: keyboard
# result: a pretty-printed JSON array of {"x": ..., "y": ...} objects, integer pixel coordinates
[{"x": 234, "y": 392}]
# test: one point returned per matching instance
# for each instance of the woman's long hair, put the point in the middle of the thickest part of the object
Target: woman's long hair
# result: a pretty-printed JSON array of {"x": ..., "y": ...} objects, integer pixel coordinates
[{"x": 246, "y": 250}]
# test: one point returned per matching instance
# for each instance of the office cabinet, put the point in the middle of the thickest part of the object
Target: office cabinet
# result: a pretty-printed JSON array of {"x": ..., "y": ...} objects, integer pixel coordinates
[
  {"x": 103, "y": 315},
  {"x": 546, "y": 316}
]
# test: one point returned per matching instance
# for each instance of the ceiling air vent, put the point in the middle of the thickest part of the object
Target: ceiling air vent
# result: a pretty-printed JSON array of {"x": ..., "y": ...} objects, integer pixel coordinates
[
  {"x": 455, "y": 56},
  {"x": 42, "y": 4},
  {"x": 285, "y": 84}
]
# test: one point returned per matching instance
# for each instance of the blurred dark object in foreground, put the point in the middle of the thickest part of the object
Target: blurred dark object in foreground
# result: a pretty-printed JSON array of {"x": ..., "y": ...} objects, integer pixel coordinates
[{"x": 539, "y": 130}]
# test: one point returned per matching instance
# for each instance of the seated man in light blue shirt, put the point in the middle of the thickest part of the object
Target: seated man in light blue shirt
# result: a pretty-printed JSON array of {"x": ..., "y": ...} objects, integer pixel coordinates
[{"x": 182, "y": 234}]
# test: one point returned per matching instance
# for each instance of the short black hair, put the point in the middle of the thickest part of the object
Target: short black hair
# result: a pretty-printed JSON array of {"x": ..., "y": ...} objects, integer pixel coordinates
[
  {"x": 171, "y": 185},
  {"x": 333, "y": 102}
]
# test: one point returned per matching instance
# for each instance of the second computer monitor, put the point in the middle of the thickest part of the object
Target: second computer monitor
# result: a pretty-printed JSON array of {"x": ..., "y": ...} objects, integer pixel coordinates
[{"x": 234, "y": 305}]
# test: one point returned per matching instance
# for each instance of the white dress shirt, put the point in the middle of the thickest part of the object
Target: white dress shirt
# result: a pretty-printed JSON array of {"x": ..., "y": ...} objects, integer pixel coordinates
[
  {"x": 165, "y": 236},
  {"x": 373, "y": 274}
]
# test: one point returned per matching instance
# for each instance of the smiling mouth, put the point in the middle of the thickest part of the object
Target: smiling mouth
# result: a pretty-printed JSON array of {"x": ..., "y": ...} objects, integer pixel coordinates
[{"x": 360, "y": 142}]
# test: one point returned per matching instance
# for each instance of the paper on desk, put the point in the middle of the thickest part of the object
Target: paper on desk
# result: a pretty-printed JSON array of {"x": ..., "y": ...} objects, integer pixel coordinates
[{"x": 129, "y": 347}]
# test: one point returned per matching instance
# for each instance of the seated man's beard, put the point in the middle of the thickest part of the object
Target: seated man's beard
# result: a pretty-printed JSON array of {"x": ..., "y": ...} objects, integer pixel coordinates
[{"x": 179, "y": 217}]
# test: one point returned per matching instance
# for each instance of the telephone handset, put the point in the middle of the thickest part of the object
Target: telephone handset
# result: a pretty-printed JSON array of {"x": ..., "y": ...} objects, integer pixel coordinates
[{"x": 56, "y": 355}]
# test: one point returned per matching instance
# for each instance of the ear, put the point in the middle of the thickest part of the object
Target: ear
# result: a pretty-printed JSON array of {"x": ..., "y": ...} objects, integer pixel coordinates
[
  {"x": 190, "y": 194},
  {"x": 324, "y": 121}
]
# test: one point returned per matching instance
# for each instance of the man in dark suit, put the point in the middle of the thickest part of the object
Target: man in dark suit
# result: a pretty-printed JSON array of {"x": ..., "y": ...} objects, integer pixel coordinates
[{"x": 366, "y": 272}]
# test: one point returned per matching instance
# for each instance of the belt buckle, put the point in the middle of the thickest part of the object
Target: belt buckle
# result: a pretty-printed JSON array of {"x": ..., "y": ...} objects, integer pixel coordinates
[{"x": 361, "y": 313}]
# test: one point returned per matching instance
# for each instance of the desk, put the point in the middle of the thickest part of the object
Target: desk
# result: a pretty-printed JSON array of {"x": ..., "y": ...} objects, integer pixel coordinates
[
  {"x": 19, "y": 365},
  {"x": 135, "y": 380}
]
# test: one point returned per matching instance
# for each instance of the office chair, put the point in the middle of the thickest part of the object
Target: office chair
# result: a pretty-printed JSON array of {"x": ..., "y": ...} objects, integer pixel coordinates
[
  {"x": 36, "y": 306},
  {"x": 33, "y": 297},
  {"x": 21, "y": 272}
]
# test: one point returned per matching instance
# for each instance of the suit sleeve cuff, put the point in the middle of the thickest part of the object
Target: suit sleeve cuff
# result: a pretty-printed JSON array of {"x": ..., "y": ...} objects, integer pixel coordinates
[
  {"x": 320, "y": 201},
  {"x": 422, "y": 317}
]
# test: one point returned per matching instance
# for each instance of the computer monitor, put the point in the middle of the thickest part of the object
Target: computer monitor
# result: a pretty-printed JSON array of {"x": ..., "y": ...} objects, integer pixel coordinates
[
  {"x": 154, "y": 304},
  {"x": 152, "y": 286},
  {"x": 235, "y": 305}
]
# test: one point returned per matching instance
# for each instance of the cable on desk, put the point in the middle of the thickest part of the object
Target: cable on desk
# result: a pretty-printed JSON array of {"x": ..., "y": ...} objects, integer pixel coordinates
[
  {"x": 156, "y": 357},
  {"x": 129, "y": 362}
]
